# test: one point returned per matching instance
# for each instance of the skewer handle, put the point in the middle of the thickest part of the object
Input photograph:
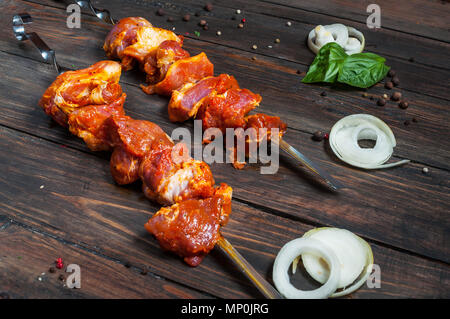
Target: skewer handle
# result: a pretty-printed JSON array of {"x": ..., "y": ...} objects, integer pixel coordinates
[
  {"x": 102, "y": 14},
  {"x": 263, "y": 286},
  {"x": 19, "y": 21}
]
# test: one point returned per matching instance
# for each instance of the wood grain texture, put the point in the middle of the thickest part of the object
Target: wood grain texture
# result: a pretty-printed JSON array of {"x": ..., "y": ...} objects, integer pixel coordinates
[
  {"x": 401, "y": 211},
  {"x": 383, "y": 205},
  {"x": 299, "y": 104},
  {"x": 26, "y": 257},
  {"x": 263, "y": 29},
  {"x": 80, "y": 204},
  {"x": 425, "y": 18}
]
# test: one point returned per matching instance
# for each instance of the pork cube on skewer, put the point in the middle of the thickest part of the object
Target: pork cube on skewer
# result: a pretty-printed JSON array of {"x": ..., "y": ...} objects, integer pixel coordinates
[{"x": 191, "y": 228}]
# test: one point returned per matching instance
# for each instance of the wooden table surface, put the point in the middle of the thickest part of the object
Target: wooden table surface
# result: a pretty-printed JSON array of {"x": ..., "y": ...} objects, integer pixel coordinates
[{"x": 57, "y": 198}]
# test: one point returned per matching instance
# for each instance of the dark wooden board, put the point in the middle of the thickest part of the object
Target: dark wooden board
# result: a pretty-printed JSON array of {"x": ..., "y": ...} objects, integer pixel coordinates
[
  {"x": 418, "y": 17},
  {"x": 27, "y": 256},
  {"x": 402, "y": 212},
  {"x": 401, "y": 200},
  {"x": 262, "y": 30},
  {"x": 88, "y": 211},
  {"x": 299, "y": 104}
]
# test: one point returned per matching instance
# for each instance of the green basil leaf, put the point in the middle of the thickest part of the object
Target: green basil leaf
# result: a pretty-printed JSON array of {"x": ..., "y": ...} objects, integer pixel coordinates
[
  {"x": 363, "y": 70},
  {"x": 326, "y": 65}
]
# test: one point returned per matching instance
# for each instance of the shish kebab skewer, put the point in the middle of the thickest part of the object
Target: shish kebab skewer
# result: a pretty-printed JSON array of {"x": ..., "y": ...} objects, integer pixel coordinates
[
  {"x": 90, "y": 103},
  {"x": 127, "y": 64}
]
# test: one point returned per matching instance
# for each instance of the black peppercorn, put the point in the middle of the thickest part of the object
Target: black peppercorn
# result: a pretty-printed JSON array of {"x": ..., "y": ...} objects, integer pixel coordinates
[
  {"x": 396, "y": 81},
  {"x": 186, "y": 17},
  {"x": 160, "y": 12},
  {"x": 391, "y": 73},
  {"x": 318, "y": 136},
  {"x": 208, "y": 7}
]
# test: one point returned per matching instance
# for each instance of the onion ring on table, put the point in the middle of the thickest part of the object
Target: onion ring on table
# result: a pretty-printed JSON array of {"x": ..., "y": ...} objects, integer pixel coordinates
[
  {"x": 345, "y": 36},
  {"x": 347, "y": 131},
  {"x": 286, "y": 256},
  {"x": 354, "y": 254}
]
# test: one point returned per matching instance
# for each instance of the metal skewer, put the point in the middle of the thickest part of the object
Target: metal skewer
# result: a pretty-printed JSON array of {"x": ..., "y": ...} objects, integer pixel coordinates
[
  {"x": 49, "y": 57},
  {"x": 102, "y": 14},
  {"x": 263, "y": 286},
  {"x": 304, "y": 161},
  {"x": 47, "y": 54}
]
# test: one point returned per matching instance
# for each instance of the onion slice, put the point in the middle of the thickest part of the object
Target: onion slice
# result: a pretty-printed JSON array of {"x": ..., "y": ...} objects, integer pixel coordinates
[
  {"x": 354, "y": 254},
  {"x": 347, "y": 131},
  {"x": 350, "y": 39},
  {"x": 286, "y": 256}
]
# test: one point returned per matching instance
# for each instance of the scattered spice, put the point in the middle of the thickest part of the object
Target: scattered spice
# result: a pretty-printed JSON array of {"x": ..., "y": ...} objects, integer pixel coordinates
[
  {"x": 61, "y": 277},
  {"x": 169, "y": 19},
  {"x": 52, "y": 270},
  {"x": 59, "y": 263},
  {"x": 238, "y": 11},
  {"x": 253, "y": 58},
  {"x": 365, "y": 94},
  {"x": 186, "y": 17},
  {"x": 208, "y": 7},
  {"x": 425, "y": 170},
  {"x": 385, "y": 96},
  {"x": 254, "y": 47},
  {"x": 381, "y": 102},
  {"x": 396, "y": 81},
  {"x": 202, "y": 23},
  {"x": 299, "y": 72},
  {"x": 277, "y": 40},
  {"x": 318, "y": 136},
  {"x": 269, "y": 46},
  {"x": 289, "y": 23},
  {"x": 389, "y": 85},
  {"x": 396, "y": 96},
  {"x": 391, "y": 73},
  {"x": 219, "y": 33},
  {"x": 160, "y": 12},
  {"x": 403, "y": 105},
  {"x": 323, "y": 93},
  {"x": 205, "y": 27},
  {"x": 243, "y": 20},
  {"x": 326, "y": 136},
  {"x": 4, "y": 295},
  {"x": 240, "y": 25},
  {"x": 42, "y": 186}
]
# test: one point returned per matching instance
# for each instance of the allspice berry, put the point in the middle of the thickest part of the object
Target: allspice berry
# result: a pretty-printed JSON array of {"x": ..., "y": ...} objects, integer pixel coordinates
[
  {"x": 396, "y": 81},
  {"x": 391, "y": 73},
  {"x": 318, "y": 136},
  {"x": 186, "y": 17},
  {"x": 403, "y": 105},
  {"x": 396, "y": 96},
  {"x": 381, "y": 102},
  {"x": 208, "y": 7},
  {"x": 389, "y": 85}
]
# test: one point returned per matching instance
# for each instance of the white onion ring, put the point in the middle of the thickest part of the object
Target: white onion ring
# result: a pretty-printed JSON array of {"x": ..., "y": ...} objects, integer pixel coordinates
[
  {"x": 341, "y": 35},
  {"x": 354, "y": 254},
  {"x": 286, "y": 256},
  {"x": 347, "y": 131}
]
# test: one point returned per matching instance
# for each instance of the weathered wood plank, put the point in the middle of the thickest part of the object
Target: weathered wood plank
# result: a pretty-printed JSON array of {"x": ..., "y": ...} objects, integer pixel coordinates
[
  {"x": 425, "y": 18},
  {"x": 263, "y": 29},
  {"x": 390, "y": 206},
  {"x": 26, "y": 257},
  {"x": 80, "y": 204},
  {"x": 283, "y": 94}
]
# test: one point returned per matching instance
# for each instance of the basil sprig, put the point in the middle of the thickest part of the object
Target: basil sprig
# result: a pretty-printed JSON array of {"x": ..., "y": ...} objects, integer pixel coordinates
[{"x": 332, "y": 65}]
